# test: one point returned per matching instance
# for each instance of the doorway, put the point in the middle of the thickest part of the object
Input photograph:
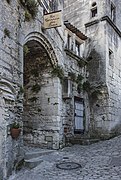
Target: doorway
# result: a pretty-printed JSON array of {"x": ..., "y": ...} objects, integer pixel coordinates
[
  {"x": 37, "y": 81},
  {"x": 78, "y": 116}
]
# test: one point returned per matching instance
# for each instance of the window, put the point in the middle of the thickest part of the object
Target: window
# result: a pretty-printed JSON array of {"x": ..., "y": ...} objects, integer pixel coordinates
[
  {"x": 94, "y": 4},
  {"x": 94, "y": 9},
  {"x": 49, "y": 5},
  {"x": 74, "y": 44},
  {"x": 113, "y": 12},
  {"x": 67, "y": 88},
  {"x": 77, "y": 48},
  {"x": 68, "y": 41},
  {"x": 94, "y": 12},
  {"x": 111, "y": 56}
]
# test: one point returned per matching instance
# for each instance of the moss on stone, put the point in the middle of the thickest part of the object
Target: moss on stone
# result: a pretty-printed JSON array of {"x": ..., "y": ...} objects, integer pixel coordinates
[{"x": 58, "y": 72}]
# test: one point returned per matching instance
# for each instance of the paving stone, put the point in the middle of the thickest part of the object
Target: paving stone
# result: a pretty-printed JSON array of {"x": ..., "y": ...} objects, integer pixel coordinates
[{"x": 96, "y": 161}]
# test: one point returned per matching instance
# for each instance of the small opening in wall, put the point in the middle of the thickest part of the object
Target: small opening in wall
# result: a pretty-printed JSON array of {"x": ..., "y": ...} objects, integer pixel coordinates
[
  {"x": 67, "y": 88},
  {"x": 94, "y": 9},
  {"x": 113, "y": 12},
  {"x": 110, "y": 53},
  {"x": 94, "y": 12},
  {"x": 65, "y": 129},
  {"x": 94, "y": 4},
  {"x": 68, "y": 41},
  {"x": 111, "y": 57}
]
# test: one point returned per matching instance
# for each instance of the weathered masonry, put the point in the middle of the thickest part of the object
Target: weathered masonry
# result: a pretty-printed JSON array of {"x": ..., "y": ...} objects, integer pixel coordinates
[
  {"x": 58, "y": 84},
  {"x": 74, "y": 101},
  {"x": 100, "y": 21},
  {"x": 41, "y": 76},
  {"x": 29, "y": 94}
]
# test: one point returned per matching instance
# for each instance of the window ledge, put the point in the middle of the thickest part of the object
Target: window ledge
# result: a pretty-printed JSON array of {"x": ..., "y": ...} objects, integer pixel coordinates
[
  {"x": 92, "y": 22},
  {"x": 73, "y": 55}
]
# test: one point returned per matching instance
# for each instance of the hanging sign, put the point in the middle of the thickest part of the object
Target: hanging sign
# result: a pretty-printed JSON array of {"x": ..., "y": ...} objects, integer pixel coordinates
[{"x": 53, "y": 20}]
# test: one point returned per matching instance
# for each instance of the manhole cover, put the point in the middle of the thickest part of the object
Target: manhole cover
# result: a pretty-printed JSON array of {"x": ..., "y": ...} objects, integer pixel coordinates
[{"x": 68, "y": 165}]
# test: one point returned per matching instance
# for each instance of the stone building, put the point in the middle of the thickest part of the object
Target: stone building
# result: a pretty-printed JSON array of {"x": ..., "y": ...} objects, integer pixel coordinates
[
  {"x": 40, "y": 79},
  {"x": 59, "y": 84},
  {"x": 100, "y": 21}
]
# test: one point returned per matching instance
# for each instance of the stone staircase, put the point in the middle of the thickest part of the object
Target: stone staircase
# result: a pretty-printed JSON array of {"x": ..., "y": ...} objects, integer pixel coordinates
[
  {"x": 81, "y": 139},
  {"x": 33, "y": 157}
]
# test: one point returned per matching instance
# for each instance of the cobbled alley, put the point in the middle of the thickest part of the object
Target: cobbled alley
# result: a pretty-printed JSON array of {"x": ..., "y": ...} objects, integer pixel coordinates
[{"x": 99, "y": 161}]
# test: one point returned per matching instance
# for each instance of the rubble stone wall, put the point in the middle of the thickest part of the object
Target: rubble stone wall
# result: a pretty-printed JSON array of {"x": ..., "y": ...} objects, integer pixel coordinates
[
  {"x": 103, "y": 73},
  {"x": 15, "y": 31}
]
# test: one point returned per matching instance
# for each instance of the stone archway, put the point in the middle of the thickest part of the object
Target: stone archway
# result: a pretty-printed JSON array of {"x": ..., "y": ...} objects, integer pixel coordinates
[
  {"x": 45, "y": 43},
  {"x": 40, "y": 116}
]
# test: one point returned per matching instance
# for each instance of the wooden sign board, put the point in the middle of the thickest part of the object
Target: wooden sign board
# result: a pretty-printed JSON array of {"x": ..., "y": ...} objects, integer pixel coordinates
[{"x": 53, "y": 20}]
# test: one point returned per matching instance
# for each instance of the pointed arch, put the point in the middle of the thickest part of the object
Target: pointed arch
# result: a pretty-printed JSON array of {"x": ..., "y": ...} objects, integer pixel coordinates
[{"x": 45, "y": 43}]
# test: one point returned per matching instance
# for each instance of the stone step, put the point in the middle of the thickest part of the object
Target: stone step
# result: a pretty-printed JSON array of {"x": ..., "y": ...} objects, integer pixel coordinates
[
  {"x": 35, "y": 154},
  {"x": 83, "y": 141},
  {"x": 81, "y": 136},
  {"x": 32, "y": 163}
]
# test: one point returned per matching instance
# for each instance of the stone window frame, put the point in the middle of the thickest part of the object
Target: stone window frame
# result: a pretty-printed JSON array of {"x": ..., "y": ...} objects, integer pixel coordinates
[
  {"x": 68, "y": 41},
  {"x": 79, "y": 100},
  {"x": 94, "y": 11},
  {"x": 77, "y": 47},
  {"x": 73, "y": 43},
  {"x": 67, "y": 88},
  {"x": 111, "y": 57}
]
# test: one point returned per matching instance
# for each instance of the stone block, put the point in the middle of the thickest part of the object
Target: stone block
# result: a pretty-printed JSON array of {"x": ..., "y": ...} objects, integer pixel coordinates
[{"x": 48, "y": 138}]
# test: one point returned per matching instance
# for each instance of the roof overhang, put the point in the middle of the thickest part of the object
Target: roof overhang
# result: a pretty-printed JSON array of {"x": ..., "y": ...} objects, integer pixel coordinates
[{"x": 74, "y": 30}]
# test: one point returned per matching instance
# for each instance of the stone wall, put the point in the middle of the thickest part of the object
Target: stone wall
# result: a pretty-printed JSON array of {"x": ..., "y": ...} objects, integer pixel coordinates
[
  {"x": 41, "y": 100},
  {"x": 114, "y": 78},
  {"x": 10, "y": 82},
  {"x": 72, "y": 72},
  {"x": 47, "y": 120},
  {"x": 79, "y": 12},
  {"x": 103, "y": 71},
  {"x": 15, "y": 31}
]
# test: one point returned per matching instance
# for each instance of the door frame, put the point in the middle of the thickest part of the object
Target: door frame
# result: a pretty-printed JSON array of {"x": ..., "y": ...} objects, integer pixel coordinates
[{"x": 81, "y": 100}]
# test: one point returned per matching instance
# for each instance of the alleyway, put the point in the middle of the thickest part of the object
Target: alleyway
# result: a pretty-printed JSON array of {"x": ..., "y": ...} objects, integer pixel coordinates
[{"x": 100, "y": 161}]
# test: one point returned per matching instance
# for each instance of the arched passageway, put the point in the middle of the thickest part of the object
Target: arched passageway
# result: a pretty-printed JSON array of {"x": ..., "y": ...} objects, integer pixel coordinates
[{"x": 40, "y": 93}]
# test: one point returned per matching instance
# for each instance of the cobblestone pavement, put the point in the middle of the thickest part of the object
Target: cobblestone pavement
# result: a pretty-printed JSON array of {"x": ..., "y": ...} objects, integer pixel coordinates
[{"x": 99, "y": 161}]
